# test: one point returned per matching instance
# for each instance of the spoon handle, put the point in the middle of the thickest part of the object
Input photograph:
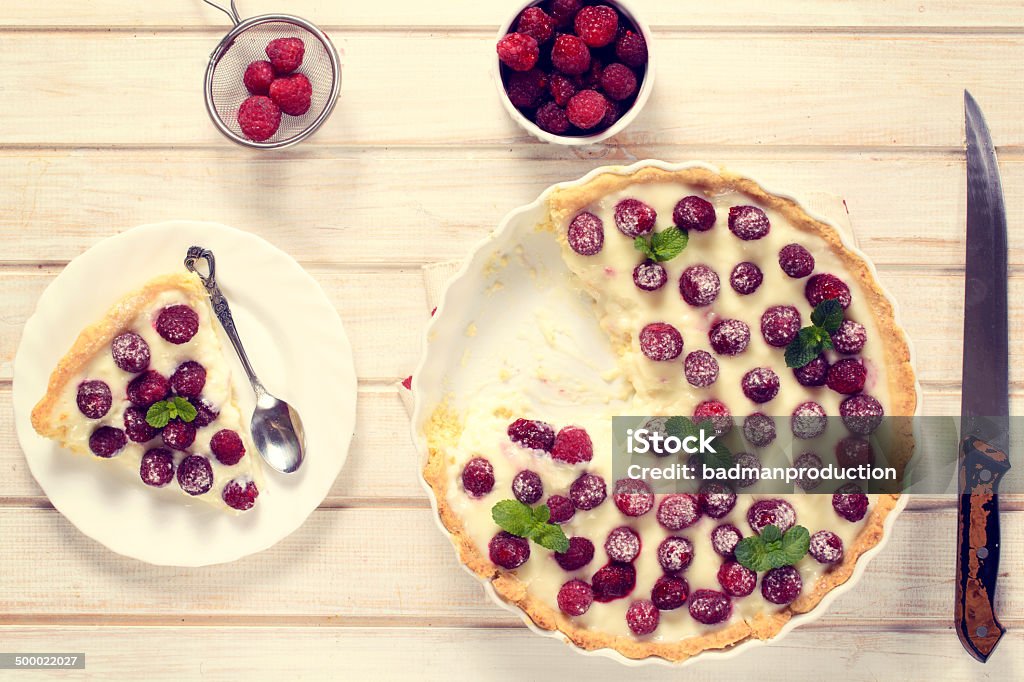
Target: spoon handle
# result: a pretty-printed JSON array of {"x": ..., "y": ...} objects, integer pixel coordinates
[{"x": 221, "y": 309}]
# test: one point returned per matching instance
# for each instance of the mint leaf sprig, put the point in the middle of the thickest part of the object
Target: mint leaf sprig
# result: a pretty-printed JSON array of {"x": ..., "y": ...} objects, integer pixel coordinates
[
  {"x": 664, "y": 245},
  {"x": 531, "y": 523},
  {"x": 162, "y": 412},
  {"x": 811, "y": 340},
  {"x": 773, "y": 549},
  {"x": 718, "y": 457}
]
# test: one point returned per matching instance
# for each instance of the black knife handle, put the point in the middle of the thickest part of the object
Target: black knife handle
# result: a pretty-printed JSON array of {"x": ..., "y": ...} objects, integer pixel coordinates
[{"x": 977, "y": 564}]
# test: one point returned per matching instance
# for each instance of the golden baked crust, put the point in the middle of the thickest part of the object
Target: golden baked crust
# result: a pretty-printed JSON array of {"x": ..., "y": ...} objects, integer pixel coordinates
[{"x": 444, "y": 428}]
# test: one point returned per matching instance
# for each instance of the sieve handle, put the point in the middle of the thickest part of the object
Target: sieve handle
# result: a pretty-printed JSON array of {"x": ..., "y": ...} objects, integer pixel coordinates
[{"x": 232, "y": 13}]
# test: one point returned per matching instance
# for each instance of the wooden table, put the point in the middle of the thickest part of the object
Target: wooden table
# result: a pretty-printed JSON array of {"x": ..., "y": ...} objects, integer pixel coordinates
[{"x": 102, "y": 127}]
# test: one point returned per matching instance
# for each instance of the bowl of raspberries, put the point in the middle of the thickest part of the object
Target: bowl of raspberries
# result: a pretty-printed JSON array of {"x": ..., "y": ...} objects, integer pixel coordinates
[{"x": 574, "y": 72}]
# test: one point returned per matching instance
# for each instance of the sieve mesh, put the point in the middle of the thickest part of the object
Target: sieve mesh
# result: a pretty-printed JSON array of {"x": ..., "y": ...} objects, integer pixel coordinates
[{"x": 225, "y": 90}]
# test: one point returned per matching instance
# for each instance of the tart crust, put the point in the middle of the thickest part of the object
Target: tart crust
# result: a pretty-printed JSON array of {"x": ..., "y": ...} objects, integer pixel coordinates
[{"x": 444, "y": 427}]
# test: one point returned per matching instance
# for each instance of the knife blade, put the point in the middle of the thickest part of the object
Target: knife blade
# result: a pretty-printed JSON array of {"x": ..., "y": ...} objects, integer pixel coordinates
[{"x": 984, "y": 426}]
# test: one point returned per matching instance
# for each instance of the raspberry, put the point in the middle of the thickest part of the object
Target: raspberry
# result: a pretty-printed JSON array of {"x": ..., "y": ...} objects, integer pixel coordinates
[
  {"x": 826, "y": 547},
  {"x": 694, "y": 213},
  {"x": 642, "y": 617},
  {"x": 701, "y": 368},
  {"x": 811, "y": 461},
  {"x": 779, "y": 325},
  {"x": 286, "y": 54},
  {"x": 178, "y": 435},
  {"x": 746, "y": 278},
  {"x": 240, "y": 494},
  {"x": 177, "y": 324},
  {"x": 148, "y": 388},
  {"x": 746, "y": 460},
  {"x": 850, "y": 502},
  {"x": 259, "y": 118},
  {"x": 130, "y": 352},
  {"x": 195, "y": 475},
  {"x": 748, "y": 222},
  {"x": 258, "y": 77},
  {"x": 618, "y": 81},
  {"x": 661, "y": 342},
  {"x": 205, "y": 414},
  {"x": 850, "y": 338},
  {"x": 814, "y": 373},
  {"x": 532, "y": 434},
  {"x": 861, "y": 413},
  {"x": 824, "y": 287},
  {"x": 478, "y": 477},
  {"x": 669, "y": 592},
  {"x": 772, "y": 512},
  {"x": 188, "y": 379},
  {"x": 292, "y": 94},
  {"x": 552, "y": 118},
  {"x": 586, "y": 109},
  {"x": 699, "y": 285},
  {"x": 796, "y": 261},
  {"x": 587, "y": 491},
  {"x": 579, "y": 554},
  {"x": 631, "y": 48},
  {"x": 596, "y": 25},
  {"x": 710, "y": 607},
  {"x": 518, "y": 51},
  {"x": 527, "y": 487},
  {"x": 678, "y": 511},
  {"x": 717, "y": 412},
  {"x": 613, "y": 581},
  {"x": 736, "y": 579},
  {"x": 136, "y": 427},
  {"x": 634, "y": 218},
  {"x": 535, "y": 22},
  {"x": 94, "y": 398},
  {"x": 561, "y": 89},
  {"x": 808, "y": 420},
  {"x": 847, "y": 376},
  {"x": 611, "y": 114},
  {"x": 760, "y": 384},
  {"x": 622, "y": 544},
  {"x": 716, "y": 499},
  {"x": 649, "y": 276},
  {"x": 575, "y": 598},
  {"x": 227, "y": 447},
  {"x": 591, "y": 80},
  {"x": 724, "y": 539},
  {"x": 729, "y": 337},
  {"x": 586, "y": 234},
  {"x": 675, "y": 554},
  {"x": 563, "y": 11},
  {"x": 782, "y": 585},
  {"x": 106, "y": 441},
  {"x": 572, "y": 445},
  {"x": 562, "y": 509},
  {"x": 570, "y": 55},
  {"x": 853, "y": 452},
  {"x": 526, "y": 89},
  {"x": 759, "y": 429},
  {"x": 508, "y": 551},
  {"x": 632, "y": 496},
  {"x": 157, "y": 467}
]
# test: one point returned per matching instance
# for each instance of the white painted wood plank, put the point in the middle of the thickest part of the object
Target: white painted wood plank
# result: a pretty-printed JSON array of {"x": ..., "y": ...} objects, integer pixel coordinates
[
  {"x": 438, "y": 654},
  {"x": 714, "y": 88},
  {"x": 357, "y": 565}
]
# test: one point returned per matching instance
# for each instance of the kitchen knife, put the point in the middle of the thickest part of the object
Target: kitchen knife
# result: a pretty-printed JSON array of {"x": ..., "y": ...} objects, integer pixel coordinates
[{"x": 984, "y": 426}]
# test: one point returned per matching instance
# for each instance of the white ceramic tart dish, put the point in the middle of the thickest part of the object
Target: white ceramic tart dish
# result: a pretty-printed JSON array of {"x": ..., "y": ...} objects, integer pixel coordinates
[{"x": 547, "y": 332}]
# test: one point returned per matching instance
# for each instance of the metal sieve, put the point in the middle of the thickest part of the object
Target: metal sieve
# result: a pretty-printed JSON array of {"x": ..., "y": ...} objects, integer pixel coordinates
[{"x": 246, "y": 43}]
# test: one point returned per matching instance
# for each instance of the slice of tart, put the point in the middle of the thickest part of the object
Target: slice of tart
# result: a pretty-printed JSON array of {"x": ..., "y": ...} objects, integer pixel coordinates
[{"x": 147, "y": 389}]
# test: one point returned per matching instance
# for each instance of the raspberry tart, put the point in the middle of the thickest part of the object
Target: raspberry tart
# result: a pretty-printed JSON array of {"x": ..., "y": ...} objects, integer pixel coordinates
[{"x": 147, "y": 389}]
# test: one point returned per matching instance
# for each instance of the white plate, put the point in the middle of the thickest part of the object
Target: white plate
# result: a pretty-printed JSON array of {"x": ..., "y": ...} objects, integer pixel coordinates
[
  {"x": 296, "y": 343},
  {"x": 533, "y": 278}
]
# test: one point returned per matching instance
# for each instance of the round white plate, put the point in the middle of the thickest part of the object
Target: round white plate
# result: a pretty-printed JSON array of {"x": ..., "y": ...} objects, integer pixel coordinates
[
  {"x": 533, "y": 279},
  {"x": 296, "y": 343}
]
